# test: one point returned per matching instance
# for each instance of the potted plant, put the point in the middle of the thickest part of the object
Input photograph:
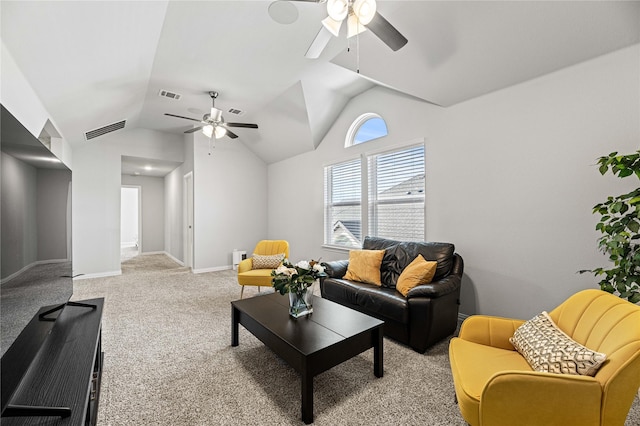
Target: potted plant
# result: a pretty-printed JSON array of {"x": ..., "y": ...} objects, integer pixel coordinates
[{"x": 619, "y": 225}]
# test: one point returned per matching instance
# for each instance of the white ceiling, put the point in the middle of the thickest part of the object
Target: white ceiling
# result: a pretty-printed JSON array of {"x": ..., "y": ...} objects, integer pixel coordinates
[{"x": 94, "y": 63}]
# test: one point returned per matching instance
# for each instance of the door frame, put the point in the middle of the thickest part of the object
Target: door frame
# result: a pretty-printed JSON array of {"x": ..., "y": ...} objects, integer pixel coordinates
[{"x": 188, "y": 220}]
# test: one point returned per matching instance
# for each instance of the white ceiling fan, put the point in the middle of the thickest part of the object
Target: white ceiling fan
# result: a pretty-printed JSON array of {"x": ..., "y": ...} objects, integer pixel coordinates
[
  {"x": 360, "y": 16},
  {"x": 213, "y": 124}
]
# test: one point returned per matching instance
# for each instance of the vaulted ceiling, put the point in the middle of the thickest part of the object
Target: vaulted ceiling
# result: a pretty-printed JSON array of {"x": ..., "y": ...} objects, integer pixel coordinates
[{"x": 98, "y": 62}]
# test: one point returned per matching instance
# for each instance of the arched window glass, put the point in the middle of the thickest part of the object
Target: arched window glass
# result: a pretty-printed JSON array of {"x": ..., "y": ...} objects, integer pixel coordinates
[{"x": 366, "y": 128}]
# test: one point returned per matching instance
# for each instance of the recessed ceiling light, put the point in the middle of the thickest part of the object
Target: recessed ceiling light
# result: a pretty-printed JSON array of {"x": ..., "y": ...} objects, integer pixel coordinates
[
  {"x": 283, "y": 12},
  {"x": 147, "y": 168},
  {"x": 136, "y": 173}
]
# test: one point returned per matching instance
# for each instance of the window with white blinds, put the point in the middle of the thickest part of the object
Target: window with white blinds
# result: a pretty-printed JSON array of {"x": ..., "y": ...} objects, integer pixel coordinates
[
  {"x": 343, "y": 211},
  {"x": 396, "y": 194},
  {"x": 393, "y": 198}
]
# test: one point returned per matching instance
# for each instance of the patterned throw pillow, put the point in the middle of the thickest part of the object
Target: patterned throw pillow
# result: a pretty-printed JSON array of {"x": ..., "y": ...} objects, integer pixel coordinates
[
  {"x": 267, "y": 262},
  {"x": 548, "y": 349}
]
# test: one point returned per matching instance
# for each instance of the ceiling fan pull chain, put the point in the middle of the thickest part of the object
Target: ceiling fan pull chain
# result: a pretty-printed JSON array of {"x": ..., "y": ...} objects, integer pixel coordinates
[{"x": 358, "y": 53}]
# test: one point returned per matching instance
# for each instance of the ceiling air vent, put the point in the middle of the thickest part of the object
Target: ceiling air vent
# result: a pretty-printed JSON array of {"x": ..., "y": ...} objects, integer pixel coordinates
[
  {"x": 236, "y": 111},
  {"x": 170, "y": 95},
  {"x": 91, "y": 134}
]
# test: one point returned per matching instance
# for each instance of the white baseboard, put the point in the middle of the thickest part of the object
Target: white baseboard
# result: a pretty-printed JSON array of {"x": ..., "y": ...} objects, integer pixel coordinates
[
  {"x": 31, "y": 265},
  {"x": 212, "y": 269},
  {"x": 98, "y": 275},
  {"x": 175, "y": 259}
]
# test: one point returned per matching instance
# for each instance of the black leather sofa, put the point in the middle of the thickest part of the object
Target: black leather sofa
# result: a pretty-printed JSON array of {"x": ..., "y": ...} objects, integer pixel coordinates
[{"x": 426, "y": 315}]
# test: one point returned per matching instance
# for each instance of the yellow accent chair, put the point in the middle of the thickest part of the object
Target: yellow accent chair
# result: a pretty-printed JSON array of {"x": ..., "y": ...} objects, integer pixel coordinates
[
  {"x": 495, "y": 386},
  {"x": 260, "y": 277}
]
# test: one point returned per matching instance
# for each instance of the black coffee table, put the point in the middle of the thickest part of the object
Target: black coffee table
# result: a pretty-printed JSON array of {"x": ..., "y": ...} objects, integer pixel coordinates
[{"x": 329, "y": 336}]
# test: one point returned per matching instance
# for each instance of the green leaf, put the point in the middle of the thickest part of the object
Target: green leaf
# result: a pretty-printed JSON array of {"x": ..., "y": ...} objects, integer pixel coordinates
[{"x": 603, "y": 169}]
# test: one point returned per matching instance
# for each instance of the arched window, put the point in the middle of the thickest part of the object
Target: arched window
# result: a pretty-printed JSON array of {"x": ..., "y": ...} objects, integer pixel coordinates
[{"x": 366, "y": 128}]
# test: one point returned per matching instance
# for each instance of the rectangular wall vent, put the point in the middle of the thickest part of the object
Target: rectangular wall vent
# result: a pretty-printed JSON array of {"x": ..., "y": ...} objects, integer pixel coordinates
[
  {"x": 236, "y": 111},
  {"x": 91, "y": 134},
  {"x": 170, "y": 95}
]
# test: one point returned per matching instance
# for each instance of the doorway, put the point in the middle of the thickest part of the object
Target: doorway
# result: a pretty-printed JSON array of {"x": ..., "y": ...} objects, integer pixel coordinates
[{"x": 130, "y": 222}]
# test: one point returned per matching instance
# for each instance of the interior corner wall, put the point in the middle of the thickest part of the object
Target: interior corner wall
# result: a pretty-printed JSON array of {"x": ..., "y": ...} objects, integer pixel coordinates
[
  {"x": 152, "y": 211},
  {"x": 18, "y": 215},
  {"x": 230, "y": 202},
  {"x": 511, "y": 179},
  {"x": 96, "y": 194}
]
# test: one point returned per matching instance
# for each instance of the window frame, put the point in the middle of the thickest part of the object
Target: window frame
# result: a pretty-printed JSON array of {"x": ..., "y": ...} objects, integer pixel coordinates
[
  {"x": 364, "y": 191},
  {"x": 349, "y": 140},
  {"x": 328, "y": 204}
]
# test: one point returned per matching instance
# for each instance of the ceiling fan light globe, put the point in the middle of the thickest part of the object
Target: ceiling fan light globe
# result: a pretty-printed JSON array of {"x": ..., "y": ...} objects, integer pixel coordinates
[
  {"x": 354, "y": 26},
  {"x": 207, "y": 131},
  {"x": 220, "y": 132},
  {"x": 332, "y": 25},
  {"x": 338, "y": 9},
  {"x": 365, "y": 10}
]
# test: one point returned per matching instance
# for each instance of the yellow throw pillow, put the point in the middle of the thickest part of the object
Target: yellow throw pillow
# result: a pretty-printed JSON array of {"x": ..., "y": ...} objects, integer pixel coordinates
[
  {"x": 364, "y": 266},
  {"x": 419, "y": 271}
]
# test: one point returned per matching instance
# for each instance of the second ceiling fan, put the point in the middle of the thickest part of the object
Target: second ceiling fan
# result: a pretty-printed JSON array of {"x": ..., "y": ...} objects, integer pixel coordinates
[
  {"x": 213, "y": 124},
  {"x": 360, "y": 16}
]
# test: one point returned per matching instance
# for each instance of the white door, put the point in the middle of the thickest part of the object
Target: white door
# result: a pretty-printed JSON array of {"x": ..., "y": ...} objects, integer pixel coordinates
[{"x": 188, "y": 220}]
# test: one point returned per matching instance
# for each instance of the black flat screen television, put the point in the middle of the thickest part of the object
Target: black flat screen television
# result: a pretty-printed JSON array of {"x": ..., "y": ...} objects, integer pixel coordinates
[{"x": 35, "y": 201}]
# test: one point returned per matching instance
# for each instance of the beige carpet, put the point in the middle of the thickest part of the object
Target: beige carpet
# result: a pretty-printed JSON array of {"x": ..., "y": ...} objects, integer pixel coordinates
[{"x": 168, "y": 361}]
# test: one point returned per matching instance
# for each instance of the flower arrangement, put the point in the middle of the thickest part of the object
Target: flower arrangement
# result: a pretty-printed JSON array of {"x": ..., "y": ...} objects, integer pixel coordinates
[{"x": 289, "y": 278}]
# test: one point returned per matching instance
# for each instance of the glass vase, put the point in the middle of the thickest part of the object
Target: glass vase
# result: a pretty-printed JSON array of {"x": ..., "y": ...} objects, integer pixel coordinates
[{"x": 301, "y": 302}]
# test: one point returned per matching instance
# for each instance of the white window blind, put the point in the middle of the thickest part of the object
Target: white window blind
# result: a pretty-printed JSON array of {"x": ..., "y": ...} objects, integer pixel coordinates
[
  {"x": 396, "y": 194},
  {"x": 342, "y": 216}
]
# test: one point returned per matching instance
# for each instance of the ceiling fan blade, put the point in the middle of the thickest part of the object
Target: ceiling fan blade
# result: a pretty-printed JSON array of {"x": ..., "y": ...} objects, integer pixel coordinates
[
  {"x": 231, "y": 134},
  {"x": 179, "y": 116},
  {"x": 386, "y": 32},
  {"x": 319, "y": 43},
  {"x": 245, "y": 125},
  {"x": 195, "y": 129}
]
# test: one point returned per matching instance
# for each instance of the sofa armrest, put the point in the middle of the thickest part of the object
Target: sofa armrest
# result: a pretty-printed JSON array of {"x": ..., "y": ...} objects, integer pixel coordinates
[
  {"x": 510, "y": 397},
  {"x": 490, "y": 331},
  {"x": 447, "y": 285},
  {"x": 245, "y": 265},
  {"x": 335, "y": 268}
]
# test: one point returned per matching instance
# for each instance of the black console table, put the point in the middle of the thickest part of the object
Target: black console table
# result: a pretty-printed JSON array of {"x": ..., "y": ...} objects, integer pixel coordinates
[{"x": 51, "y": 374}]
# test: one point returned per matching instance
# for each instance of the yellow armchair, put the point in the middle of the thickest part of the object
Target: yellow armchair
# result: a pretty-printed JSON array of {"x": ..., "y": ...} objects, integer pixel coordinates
[
  {"x": 260, "y": 277},
  {"x": 495, "y": 385}
]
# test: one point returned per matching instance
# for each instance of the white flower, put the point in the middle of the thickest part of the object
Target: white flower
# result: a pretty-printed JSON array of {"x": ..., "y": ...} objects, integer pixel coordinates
[
  {"x": 303, "y": 264},
  {"x": 318, "y": 268},
  {"x": 283, "y": 270},
  {"x": 280, "y": 269}
]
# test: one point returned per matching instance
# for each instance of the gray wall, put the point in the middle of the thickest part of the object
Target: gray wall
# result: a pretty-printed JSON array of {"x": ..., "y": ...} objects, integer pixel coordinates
[
  {"x": 18, "y": 215},
  {"x": 230, "y": 196},
  {"x": 32, "y": 200},
  {"x": 153, "y": 216},
  {"x": 511, "y": 179},
  {"x": 53, "y": 208},
  {"x": 174, "y": 203}
]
